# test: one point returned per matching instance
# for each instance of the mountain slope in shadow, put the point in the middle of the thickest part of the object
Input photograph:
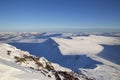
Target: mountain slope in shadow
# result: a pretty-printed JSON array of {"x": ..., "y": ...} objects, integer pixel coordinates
[
  {"x": 111, "y": 53},
  {"x": 50, "y": 50}
]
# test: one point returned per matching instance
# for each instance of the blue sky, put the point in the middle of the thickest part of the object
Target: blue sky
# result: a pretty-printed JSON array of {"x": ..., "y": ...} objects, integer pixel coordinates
[{"x": 59, "y": 15}]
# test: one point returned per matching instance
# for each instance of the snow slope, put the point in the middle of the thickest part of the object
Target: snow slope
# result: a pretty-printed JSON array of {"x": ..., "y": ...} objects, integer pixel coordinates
[
  {"x": 78, "y": 47},
  {"x": 9, "y": 70},
  {"x": 20, "y": 65},
  {"x": 51, "y": 51},
  {"x": 92, "y": 46},
  {"x": 79, "y": 54}
]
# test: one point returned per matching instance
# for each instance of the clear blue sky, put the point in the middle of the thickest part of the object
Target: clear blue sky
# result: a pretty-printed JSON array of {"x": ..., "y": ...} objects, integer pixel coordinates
[{"x": 59, "y": 15}]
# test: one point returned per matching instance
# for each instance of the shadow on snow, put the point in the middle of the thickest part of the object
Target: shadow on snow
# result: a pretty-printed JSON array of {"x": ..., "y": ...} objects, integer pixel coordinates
[
  {"x": 111, "y": 53},
  {"x": 49, "y": 49}
]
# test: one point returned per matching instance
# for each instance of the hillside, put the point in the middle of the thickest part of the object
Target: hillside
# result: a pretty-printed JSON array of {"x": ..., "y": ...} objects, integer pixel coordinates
[{"x": 16, "y": 65}]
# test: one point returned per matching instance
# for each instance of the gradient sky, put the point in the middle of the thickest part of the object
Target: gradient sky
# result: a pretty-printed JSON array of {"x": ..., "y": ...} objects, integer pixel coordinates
[{"x": 59, "y": 15}]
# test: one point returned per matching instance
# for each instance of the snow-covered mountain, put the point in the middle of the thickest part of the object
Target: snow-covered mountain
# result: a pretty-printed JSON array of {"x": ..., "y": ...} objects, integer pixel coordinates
[
  {"x": 20, "y": 65},
  {"x": 96, "y": 55},
  {"x": 100, "y": 67}
]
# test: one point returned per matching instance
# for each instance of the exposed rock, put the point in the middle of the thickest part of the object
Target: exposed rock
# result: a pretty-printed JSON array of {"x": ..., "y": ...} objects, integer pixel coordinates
[
  {"x": 8, "y": 52},
  {"x": 44, "y": 66}
]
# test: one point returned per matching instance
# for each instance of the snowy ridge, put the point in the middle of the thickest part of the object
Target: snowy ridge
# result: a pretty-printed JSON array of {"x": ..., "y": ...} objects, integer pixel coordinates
[{"x": 29, "y": 64}]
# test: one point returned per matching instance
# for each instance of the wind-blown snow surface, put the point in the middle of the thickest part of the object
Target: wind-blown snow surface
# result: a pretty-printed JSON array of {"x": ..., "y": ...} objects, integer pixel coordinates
[{"x": 80, "y": 52}]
